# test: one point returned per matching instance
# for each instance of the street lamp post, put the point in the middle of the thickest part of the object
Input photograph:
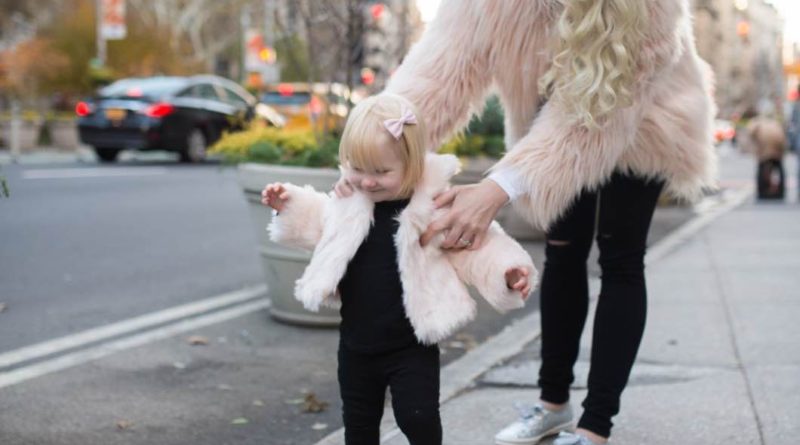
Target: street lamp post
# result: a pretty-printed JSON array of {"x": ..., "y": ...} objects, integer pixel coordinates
[{"x": 100, "y": 39}]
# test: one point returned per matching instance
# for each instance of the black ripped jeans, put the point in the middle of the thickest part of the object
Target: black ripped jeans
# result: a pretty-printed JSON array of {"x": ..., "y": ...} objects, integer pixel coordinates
[{"x": 623, "y": 209}]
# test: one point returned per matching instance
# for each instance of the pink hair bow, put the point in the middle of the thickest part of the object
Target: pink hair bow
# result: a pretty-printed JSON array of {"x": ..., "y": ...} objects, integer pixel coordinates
[{"x": 395, "y": 126}]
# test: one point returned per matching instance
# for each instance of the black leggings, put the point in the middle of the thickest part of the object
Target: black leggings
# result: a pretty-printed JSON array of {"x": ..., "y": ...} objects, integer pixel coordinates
[
  {"x": 411, "y": 373},
  {"x": 626, "y": 206}
]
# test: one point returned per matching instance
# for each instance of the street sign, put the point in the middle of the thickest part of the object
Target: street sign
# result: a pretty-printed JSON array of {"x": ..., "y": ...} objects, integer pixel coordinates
[{"x": 112, "y": 23}]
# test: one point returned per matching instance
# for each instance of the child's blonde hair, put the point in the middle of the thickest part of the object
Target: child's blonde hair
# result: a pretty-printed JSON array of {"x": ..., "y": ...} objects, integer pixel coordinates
[
  {"x": 366, "y": 123},
  {"x": 594, "y": 63}
]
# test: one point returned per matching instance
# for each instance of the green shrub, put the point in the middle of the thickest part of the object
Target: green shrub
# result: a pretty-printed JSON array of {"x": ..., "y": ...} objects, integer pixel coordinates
[
  {"x": 474, "y": 145},
  {"x": 490, "y": 121},
  {"x": 268, "y": 145},
  {"x": 484, "y": 134}
]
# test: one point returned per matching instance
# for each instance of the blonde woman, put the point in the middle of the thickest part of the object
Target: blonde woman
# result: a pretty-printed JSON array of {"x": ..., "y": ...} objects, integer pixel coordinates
[
  {"x": 397, "y": 298},
  {"x": 607, "y": 104}
]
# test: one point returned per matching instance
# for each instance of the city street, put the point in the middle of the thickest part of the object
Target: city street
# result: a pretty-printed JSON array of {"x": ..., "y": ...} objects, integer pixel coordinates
[
  {"x": 143, "y": 302},
  {"x": 148, "y": 236}
]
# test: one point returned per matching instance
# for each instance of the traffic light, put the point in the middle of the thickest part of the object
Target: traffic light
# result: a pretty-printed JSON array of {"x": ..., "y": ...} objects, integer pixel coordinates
[{"x": 367, "y": 76}]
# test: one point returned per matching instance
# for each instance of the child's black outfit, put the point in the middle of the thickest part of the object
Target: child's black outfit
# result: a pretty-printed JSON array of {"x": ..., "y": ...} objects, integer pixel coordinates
[{"x": 378, "y": 347}]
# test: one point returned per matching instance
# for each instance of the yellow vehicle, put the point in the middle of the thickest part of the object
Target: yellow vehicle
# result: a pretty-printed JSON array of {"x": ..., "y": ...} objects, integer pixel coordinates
[{"x": 306, "y": 106}]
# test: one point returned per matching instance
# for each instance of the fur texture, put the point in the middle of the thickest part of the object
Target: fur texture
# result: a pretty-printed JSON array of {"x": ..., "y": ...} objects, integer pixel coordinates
[
  {"x": 475, "y": 44},
  {"x": 434, "y": 296}
]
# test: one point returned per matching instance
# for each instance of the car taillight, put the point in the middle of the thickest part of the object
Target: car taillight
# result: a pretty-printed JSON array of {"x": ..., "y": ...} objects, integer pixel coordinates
[
  {"x": 83, "y": 109},
  {"x": 159, "y": 109},
  {"x": 285, "y": 89},
  {"x": 730, "y": 133},
  {"x": 315, "y": 106}
]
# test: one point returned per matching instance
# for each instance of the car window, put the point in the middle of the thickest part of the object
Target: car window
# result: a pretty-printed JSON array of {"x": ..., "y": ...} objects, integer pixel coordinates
[
  {"x": 153, "y": 87},
  {"x": 233, "y": 98},
  {"x": 206, "y": 91},
  {"x": 200, "y": 91},
  {"x": 189, "y": 92},
  {"x": 276, "y": 98}
]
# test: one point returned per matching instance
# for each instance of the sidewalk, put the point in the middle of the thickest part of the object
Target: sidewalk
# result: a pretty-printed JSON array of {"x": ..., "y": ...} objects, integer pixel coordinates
[{"x": 720, "y": 359}]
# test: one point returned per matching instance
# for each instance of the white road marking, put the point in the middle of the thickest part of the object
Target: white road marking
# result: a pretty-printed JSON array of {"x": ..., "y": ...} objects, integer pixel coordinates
[
  {"x": 80, "y": 357},
  {"x": 65, "y": 343},
  {"x": 73, "y": 173}
]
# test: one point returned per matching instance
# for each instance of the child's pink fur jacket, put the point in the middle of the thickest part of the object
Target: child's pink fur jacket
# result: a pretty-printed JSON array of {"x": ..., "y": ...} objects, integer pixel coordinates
[
  {"x": 435, "y": 298},
  {"x": 474, "y": 45}
]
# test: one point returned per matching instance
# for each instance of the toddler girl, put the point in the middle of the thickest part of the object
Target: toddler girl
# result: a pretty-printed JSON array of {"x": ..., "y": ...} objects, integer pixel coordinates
[{"x": 398, "y": 299}]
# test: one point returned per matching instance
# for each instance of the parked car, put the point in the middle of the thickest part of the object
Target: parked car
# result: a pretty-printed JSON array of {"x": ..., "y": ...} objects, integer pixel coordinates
[
  {"x": 180, "y": 114},
  {"x": 724, "y": 131},
  {"x": 325, "y": 104}
]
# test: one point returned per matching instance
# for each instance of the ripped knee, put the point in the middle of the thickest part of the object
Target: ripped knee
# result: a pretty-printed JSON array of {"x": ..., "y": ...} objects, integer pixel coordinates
[{"x": 558, "y": 243}]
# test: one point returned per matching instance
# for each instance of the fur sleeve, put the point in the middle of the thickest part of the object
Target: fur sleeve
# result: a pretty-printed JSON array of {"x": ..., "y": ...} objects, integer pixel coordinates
[
  {"x": 485, "y": 268},
  {"x": 446, "y": 74},
  {"x": 559, "y": 156},
  {"x": 300, "y": 223}
]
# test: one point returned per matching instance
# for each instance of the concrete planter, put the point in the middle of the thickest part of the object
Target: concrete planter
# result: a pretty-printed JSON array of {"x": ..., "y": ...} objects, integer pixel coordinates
[
  {"x": 64, "y": 135},
  {"x": 28, "y": 134},
  {"x": 515, "y": 225},
  {"x": 282, "y": 265}
]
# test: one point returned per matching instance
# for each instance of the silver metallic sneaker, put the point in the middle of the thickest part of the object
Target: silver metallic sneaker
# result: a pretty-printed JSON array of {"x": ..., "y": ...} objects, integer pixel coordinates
[{"x": 534, "y": 424}]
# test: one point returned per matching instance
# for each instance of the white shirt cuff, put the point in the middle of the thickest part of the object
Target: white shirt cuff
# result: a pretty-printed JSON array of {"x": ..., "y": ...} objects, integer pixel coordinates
[{"x": 509, "y": 181}]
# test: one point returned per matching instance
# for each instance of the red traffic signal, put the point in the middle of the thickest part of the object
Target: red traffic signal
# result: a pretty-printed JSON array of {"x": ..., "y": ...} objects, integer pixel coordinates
[
  {"x": 377, "y": 11},
  {"x": 367, "y": 76}
]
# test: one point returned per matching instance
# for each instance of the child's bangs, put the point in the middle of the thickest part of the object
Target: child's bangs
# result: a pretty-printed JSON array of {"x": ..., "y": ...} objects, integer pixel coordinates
[{"x": 358, "y": 148}]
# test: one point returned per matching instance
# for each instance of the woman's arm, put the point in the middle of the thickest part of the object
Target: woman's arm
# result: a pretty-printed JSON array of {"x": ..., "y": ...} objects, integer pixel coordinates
[
  {"x": 446, "y": 74},
  {"x": 560, "y": 156}
]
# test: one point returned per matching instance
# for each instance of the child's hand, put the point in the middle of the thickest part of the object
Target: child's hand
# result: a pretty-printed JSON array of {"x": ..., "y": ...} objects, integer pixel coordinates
[
  {"x": 343, "y": 188},
  {"x": 275, "y": 196},
  {"x": 517, "y": 279}
]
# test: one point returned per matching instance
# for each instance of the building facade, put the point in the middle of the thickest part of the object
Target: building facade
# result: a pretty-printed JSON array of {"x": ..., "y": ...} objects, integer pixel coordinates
[{"x": 742, "y": 40}]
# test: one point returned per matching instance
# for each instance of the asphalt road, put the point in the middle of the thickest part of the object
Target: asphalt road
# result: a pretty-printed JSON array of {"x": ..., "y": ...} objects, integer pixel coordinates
[{"x": 86, "y": 245}]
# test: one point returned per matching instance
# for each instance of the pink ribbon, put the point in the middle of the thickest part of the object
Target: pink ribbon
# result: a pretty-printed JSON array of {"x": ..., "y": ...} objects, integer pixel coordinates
[{"x": 395, "y": 126}]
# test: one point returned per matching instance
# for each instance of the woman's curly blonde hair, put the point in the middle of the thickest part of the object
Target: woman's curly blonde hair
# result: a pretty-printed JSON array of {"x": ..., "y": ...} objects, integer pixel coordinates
[{"x": 594, "y": 63}]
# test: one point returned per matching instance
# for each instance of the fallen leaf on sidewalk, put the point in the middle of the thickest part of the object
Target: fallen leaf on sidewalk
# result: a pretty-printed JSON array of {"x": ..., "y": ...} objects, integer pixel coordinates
[
  {"x": 258, "y": 403},
  {"x": 123, "y": 425},
  {"x": 319, "y": 426},
  {"x": 313, "y": 405},
  {"x": 197, "y": 340},
  {"x": 240, "y": 421},
  {"x": 3, "y": 307}
]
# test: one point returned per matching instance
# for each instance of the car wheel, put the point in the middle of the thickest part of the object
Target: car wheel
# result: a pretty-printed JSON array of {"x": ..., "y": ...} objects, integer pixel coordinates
[
  {"x": 107, "y": 155},
  {"x": 195, "y": 150}
]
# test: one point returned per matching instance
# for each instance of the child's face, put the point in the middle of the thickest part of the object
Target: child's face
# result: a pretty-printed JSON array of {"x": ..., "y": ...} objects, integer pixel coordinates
[{"x": 384, "y": 183}]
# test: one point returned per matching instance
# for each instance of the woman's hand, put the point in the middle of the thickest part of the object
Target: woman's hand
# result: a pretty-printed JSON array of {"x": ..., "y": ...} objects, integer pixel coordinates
[
  {"x": 472, "y": 211},
  {"x": 343, "y": 189},
  {"x": 517, "y": 279},
  {"x": 275, "y": 196}
]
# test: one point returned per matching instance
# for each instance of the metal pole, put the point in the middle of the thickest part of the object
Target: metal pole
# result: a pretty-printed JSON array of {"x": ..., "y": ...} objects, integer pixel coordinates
[
  {"x": 16, "y": 123},
  {"x": 244, "y": 23},
  {"x": 101, "y": 42}
]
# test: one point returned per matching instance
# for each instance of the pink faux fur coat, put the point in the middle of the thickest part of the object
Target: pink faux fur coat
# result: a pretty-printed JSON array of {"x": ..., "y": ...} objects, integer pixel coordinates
[
  {"x": 435, "y": 298},
  {"x": 473, "y": 45}
]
